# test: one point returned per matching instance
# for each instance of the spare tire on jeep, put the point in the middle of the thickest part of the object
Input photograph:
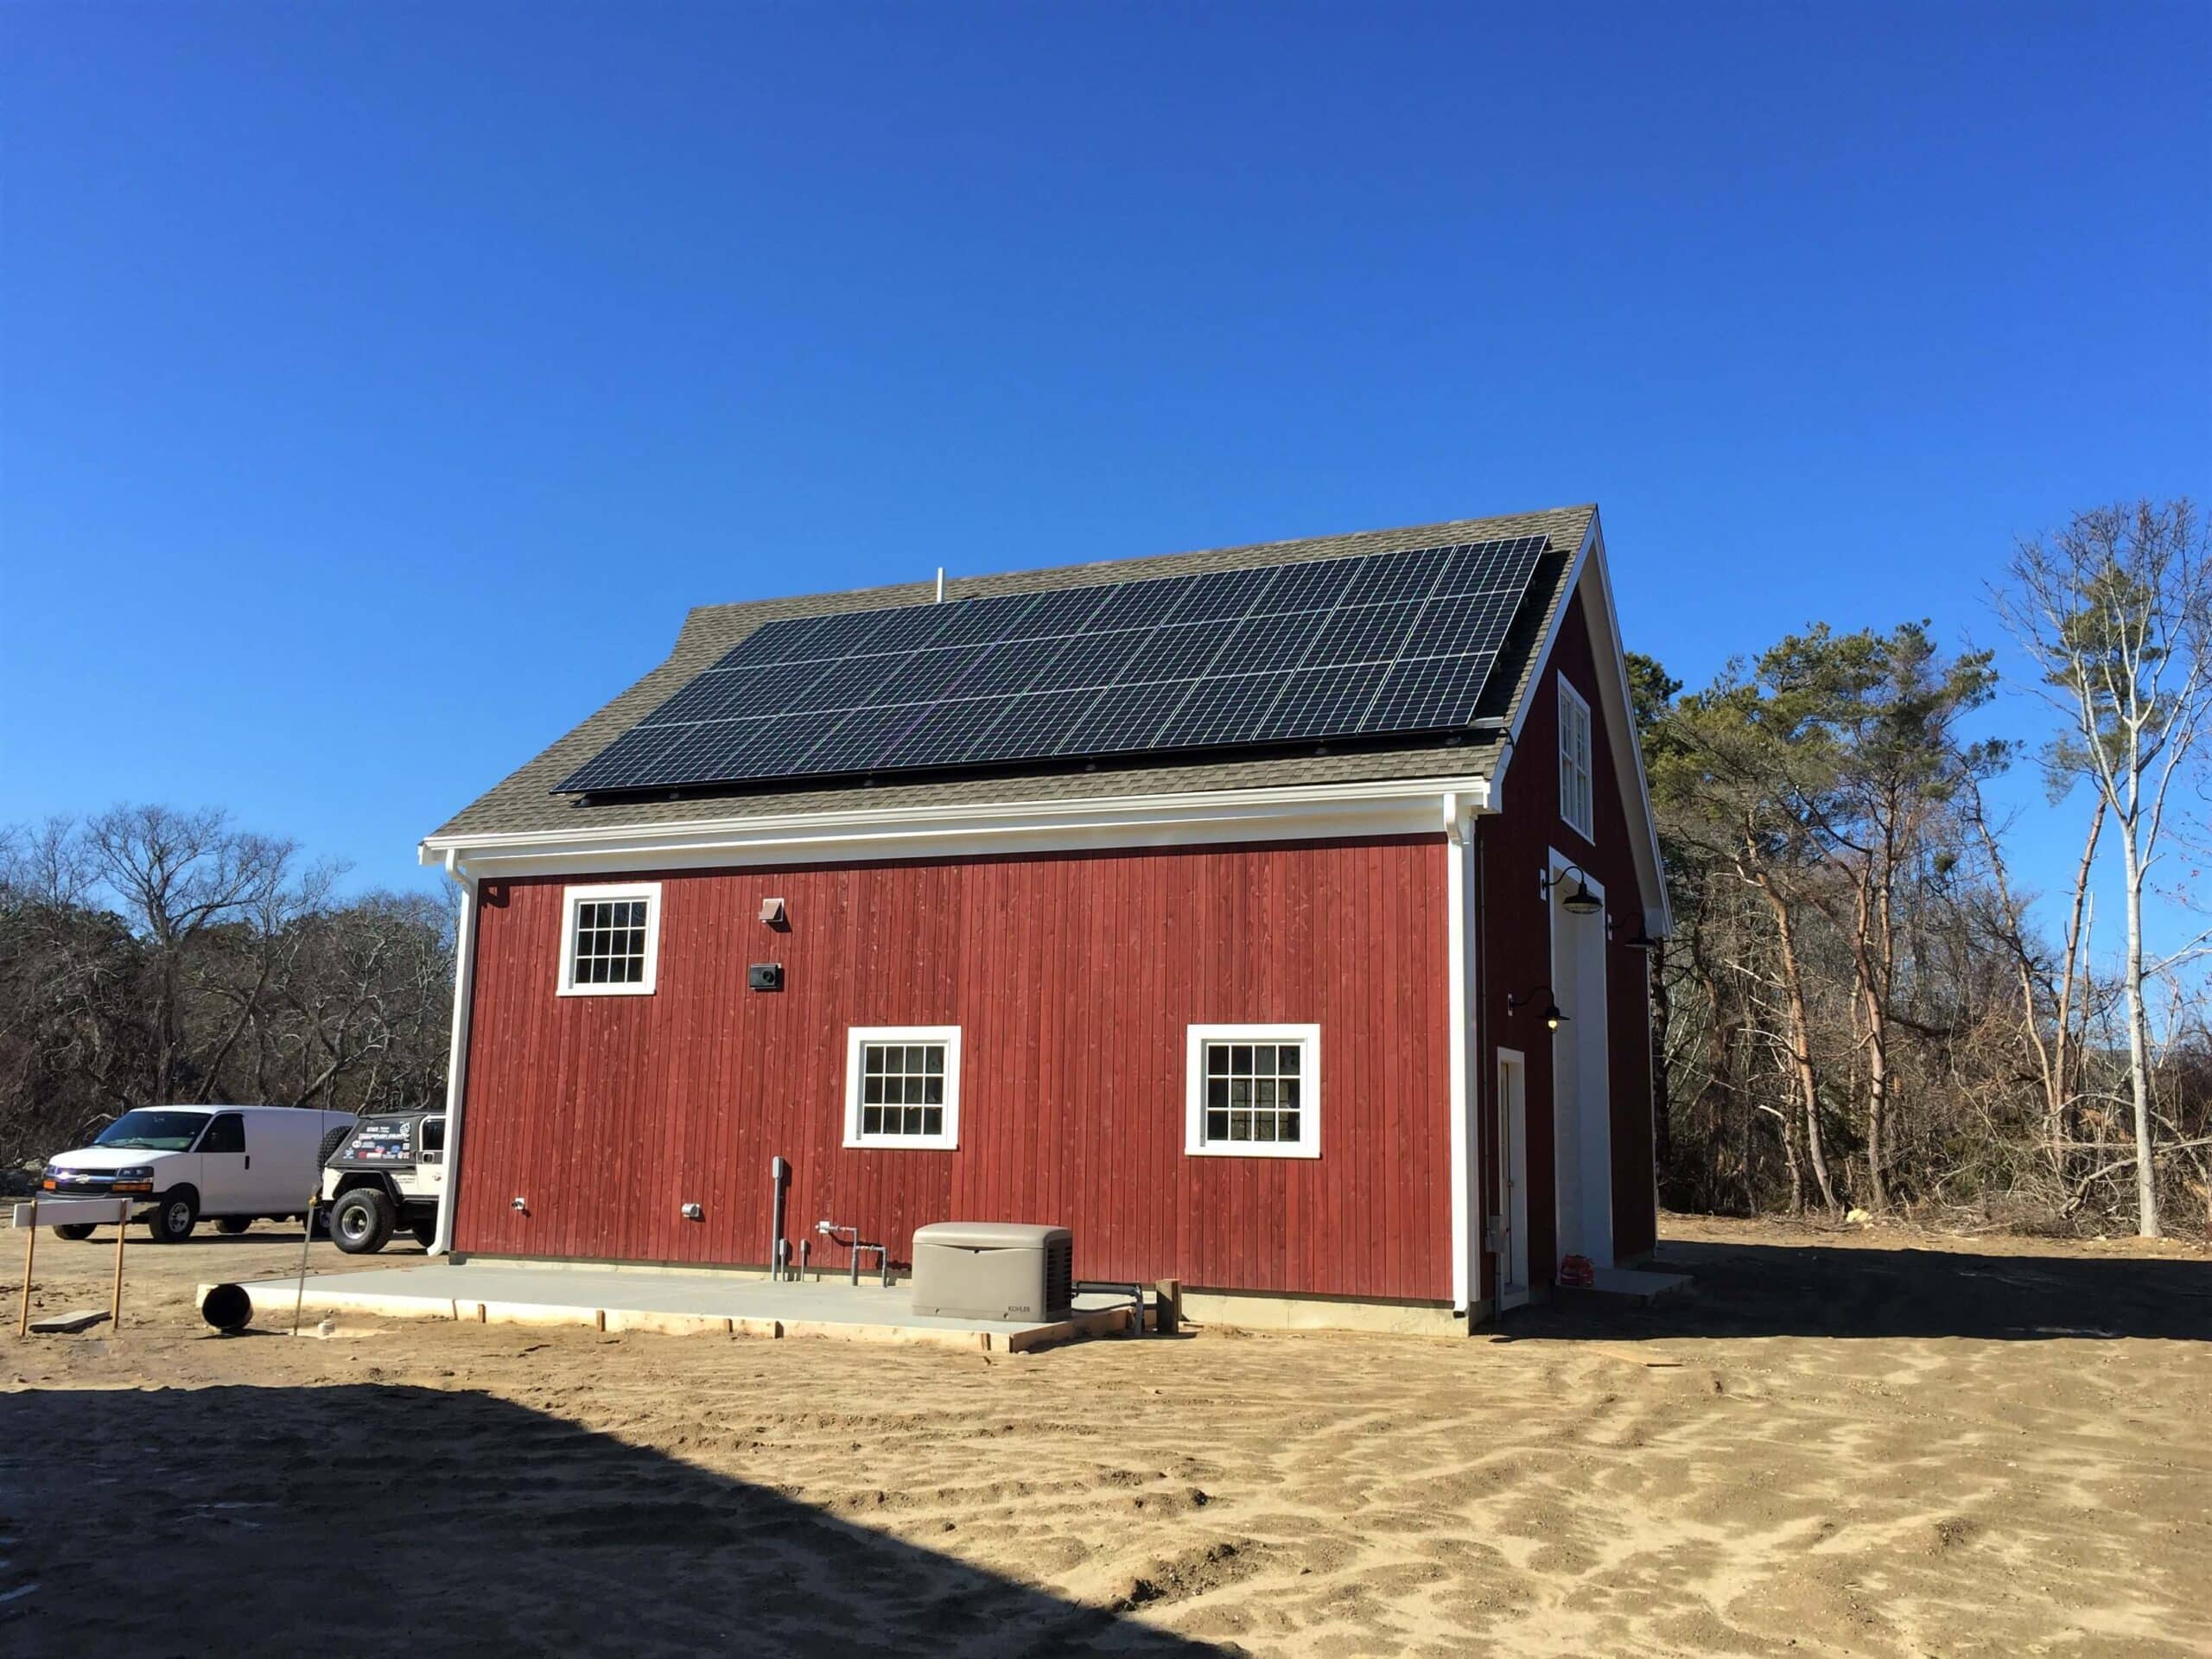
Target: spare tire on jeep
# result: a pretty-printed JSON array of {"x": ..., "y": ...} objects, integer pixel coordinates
[{"x": 361, "y": 1222}]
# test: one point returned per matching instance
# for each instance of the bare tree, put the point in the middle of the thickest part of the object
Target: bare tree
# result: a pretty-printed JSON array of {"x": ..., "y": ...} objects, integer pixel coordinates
[
  {"x": 2116, "y": 609},
  {"x": 180, "y": 875},
  {"x": 151, "y": 954}
]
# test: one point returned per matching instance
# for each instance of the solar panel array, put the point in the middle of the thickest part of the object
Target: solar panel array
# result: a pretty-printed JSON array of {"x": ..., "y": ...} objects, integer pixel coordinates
[{"x": 1385, "y": 643}]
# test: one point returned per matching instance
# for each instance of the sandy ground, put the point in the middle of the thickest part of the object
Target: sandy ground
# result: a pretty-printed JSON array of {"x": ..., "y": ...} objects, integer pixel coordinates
[{"x": 1870, "y": 1442}]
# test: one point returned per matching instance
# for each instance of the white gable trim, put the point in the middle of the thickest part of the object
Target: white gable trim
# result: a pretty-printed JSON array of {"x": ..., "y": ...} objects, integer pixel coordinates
[{"x": 1587, "y": 577}]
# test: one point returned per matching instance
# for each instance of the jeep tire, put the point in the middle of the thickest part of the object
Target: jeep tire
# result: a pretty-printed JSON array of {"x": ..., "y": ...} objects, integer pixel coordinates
[{"x": 361, "y": 1222}]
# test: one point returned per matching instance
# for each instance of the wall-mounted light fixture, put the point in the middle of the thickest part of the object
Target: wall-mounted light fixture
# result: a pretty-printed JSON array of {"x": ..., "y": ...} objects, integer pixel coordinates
[
  {"x": 1579, "y": 902},
  {"x": 694, "y": 1212},
  {"x": 518, "y": 1203},
  {"x": 1551, "y": 1016}
]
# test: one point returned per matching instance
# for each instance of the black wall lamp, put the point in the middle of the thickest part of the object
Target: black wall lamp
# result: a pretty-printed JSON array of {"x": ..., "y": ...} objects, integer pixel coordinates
[
  {"x": 1581, "y": 901},
  {"x": 1551, "y": 1016}
]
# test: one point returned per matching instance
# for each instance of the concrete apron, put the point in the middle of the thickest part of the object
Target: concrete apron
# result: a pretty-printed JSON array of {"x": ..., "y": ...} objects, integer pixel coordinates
[{"x": 670, "y": 1302}]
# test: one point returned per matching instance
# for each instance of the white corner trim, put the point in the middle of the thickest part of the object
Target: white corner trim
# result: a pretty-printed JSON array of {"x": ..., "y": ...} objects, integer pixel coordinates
[
  {"x": 1460, "y": 945},
  {"x": 856, "y": 1039},
  {"x": 464, "y": 981},
  {"x": 572, "y": 897},
  {"x": 1388, "y": 807},
  {"x": 1195, "y": 1144}
]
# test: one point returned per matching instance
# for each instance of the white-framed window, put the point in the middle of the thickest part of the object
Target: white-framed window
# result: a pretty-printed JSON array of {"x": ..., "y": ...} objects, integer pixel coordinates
[
  {"x": 902, "y": 1087},
  {"x": 1254, "y": 1091},
  {"x": 1574, "y": 796},
  {"x": 610, "y": 939}
]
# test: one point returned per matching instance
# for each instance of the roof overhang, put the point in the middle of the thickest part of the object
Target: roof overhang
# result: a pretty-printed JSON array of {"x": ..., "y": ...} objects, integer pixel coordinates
[{"x": 1331, "y": 812}]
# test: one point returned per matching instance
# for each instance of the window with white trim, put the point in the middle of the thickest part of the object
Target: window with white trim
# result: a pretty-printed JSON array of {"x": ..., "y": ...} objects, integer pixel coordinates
[
  {"x": 1574, "y": 792},
  {"x": 1254, "y": 1091},
  {"x": 902, "y": 1086},
  {"x": 610, "y": 940}
]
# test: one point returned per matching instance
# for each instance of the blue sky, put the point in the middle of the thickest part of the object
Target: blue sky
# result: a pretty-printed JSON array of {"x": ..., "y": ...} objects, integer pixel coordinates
[{"x": 381, "y": 383}]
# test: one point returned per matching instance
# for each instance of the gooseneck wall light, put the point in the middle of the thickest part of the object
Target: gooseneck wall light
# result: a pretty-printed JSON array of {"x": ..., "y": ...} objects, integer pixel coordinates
[
  {"x": 1579, "y": 902},
  {"x": 1551, "y": 1016}
]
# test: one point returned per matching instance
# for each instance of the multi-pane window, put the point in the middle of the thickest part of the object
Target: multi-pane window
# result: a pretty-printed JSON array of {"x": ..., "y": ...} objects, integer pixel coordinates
[
  {"x": 613, "y": 938},
  {"x": 1574, "y": 792},
  {"x": 1254, "y": 1090},
  {"x": 902, "y": 1087}
]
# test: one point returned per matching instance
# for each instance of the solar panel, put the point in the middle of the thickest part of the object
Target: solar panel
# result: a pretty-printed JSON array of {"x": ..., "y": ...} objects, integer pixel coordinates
[{"x": 1387, "y": 643}]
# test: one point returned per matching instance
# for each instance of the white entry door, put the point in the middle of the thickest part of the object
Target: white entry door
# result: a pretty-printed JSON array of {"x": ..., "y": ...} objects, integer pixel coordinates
[{"x": 1513, "y": 1174}]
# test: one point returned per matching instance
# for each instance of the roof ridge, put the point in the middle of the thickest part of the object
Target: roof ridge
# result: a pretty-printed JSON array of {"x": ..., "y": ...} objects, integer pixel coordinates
[{"x": 1241, "y": 549}]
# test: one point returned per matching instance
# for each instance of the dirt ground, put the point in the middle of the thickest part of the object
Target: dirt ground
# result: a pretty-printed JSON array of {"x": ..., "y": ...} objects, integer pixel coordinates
[{"x": 1856, "y": 1442}]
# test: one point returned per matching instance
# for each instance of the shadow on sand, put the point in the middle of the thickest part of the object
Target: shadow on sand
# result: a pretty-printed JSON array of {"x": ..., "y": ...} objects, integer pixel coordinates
[
  {"x": 1812, "y": 1290},
  {"x": 387, "y": 1519}
]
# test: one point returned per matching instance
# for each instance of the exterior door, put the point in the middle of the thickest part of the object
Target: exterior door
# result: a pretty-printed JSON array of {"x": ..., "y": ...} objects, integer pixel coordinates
[
  {"x": 1513, "y": 1174},
  {"x": 226, "y": 1188}
]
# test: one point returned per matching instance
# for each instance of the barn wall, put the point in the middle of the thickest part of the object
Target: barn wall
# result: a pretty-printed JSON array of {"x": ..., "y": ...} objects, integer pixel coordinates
[
  {"x": 1073, "y": 978},
  {"x": 1516, "y": 929}
]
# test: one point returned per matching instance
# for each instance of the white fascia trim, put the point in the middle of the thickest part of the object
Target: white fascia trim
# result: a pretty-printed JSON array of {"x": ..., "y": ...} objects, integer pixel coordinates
[
  {"x": 1392, "y": 806},
  {"x": 1589, "y": 563}
]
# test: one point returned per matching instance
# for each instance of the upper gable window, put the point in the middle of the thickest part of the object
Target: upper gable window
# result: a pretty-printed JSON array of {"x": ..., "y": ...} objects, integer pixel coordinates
[
  {"x": 610, "y": 940},
  {"x": 1574, "y": 793}
]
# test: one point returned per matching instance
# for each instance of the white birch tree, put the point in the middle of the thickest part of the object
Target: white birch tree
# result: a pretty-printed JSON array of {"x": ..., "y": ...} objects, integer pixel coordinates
[{"x": 2116, "y": 609}]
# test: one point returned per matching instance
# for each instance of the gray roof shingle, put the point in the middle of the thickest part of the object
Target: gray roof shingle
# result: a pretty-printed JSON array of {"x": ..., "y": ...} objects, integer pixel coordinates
[{"x": 521, "y": 803}]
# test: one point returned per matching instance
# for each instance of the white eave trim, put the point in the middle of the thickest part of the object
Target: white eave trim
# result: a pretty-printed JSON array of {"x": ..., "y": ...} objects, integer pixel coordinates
[{"x": 1391, "y": 806}]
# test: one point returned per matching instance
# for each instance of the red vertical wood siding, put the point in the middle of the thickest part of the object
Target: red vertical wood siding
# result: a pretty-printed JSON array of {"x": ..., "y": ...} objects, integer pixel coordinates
[
  {"x": 1515, "y": 844},
  {"x": 1073, "y": 978}
]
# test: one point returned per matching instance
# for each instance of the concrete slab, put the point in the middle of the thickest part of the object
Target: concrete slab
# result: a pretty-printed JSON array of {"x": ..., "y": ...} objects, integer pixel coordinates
[
  {"x": 1639, "y": 1286},
  {"x": 62, "y": 1324},
  {"x": 670, "y": 1302}
]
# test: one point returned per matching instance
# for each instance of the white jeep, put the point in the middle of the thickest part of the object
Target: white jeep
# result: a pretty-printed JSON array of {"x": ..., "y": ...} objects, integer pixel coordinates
[{"x": 390, "y": 1172}]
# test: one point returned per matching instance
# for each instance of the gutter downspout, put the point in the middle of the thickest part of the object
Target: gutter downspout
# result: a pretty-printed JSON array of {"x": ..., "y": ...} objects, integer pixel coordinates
[{"x": 464, "y": 978}]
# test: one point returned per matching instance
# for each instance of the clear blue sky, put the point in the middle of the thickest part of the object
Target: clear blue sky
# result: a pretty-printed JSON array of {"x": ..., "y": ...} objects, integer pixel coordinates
[{"x": 383, "y": 382}]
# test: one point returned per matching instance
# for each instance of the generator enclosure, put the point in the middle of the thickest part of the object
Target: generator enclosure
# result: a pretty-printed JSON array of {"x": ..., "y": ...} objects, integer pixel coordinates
[{"x": 993, "y": 1271}]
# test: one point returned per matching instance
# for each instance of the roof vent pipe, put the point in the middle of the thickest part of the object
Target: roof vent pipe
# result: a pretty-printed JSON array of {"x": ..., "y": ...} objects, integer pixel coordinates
[{"x": 940, "y": 584}]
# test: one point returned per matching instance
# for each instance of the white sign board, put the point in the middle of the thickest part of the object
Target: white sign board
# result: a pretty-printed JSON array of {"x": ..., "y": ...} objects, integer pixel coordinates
[{"x": 72, "y": 1212}]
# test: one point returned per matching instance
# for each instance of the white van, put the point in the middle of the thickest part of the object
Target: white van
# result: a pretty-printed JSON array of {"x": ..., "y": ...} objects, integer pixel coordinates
[{"x": 234, "y": 1165}]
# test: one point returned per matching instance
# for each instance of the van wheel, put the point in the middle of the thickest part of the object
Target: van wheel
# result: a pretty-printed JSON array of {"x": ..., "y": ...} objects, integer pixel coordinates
[
  {"x": 174, "y": 1216},
  {"x": 74, "y": 1230},
  {"x": 425, "y": 1231},
  {"x": 233, "y": 1224},
  {"x": 361, "y": 1224}
]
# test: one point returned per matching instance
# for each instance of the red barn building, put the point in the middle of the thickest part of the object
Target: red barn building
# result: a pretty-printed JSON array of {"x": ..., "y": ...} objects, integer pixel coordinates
[{"x": 1276, "y": 918}]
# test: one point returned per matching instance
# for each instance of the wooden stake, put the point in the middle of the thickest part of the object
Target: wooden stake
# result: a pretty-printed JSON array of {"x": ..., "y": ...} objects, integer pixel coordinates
[
  {"x": 122, "y": 1228},
  {"x": 30, "y": 1245},
  {"x": 302, "y": 1295}
]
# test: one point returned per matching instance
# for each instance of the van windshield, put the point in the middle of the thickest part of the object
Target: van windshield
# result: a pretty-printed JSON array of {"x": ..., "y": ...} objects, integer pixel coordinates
[{"x": 154, "y": 1131}]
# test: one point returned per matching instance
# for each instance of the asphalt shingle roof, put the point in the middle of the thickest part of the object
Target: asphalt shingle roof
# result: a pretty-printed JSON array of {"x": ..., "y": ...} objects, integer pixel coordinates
[{"x": 522, "y": 803}]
